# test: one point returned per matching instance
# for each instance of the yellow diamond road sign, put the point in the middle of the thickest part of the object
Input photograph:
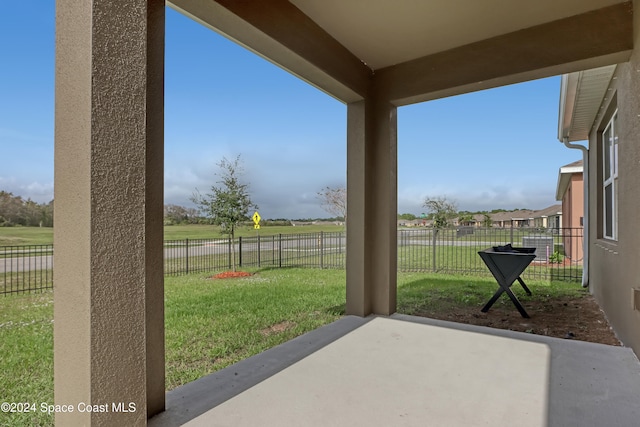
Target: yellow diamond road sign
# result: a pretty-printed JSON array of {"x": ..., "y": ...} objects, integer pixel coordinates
[{"x": 256, "y": 218}]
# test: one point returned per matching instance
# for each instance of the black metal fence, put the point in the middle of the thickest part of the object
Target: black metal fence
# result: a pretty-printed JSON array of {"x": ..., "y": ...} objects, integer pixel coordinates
[
  {"x": 26, "y": 268},
  {"x": 313, "y": 250},
  {"x": 558, "y": 254},
  {"x": 558, "y": 251}
]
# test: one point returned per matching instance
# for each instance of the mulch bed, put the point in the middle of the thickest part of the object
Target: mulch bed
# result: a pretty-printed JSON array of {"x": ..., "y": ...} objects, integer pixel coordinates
[
  {"x": 577, "y": 318},
  {"x": 231, "y": 275}
]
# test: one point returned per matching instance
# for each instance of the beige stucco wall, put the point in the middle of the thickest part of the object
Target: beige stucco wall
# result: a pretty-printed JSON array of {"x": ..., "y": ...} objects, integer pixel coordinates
[
  {"x": 372, "y": 199},
  {"x": 109, "y": 296},
  {"x": 614, "y": 265}
]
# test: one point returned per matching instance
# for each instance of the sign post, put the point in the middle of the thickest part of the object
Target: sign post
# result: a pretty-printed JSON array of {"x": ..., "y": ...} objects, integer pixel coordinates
[{"x": 256, "y": 220}]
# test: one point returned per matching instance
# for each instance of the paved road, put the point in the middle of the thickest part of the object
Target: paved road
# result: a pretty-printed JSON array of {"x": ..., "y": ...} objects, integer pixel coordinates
[{"x": 19, "y": 264}]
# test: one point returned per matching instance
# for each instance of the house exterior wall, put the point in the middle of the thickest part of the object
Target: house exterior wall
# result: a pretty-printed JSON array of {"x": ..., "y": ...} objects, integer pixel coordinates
[
  {"x": 614, "y": 266},
  {"x": 572, "y": 212},
  {"x": 577, "y": 200}
]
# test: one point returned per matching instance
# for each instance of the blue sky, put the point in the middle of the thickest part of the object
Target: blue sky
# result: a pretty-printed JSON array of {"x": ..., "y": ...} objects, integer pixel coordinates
[{"x": 486, "y": 150}]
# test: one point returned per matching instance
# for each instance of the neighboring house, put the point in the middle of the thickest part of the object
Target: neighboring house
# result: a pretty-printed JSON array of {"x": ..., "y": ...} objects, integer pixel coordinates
[
  {"x": 480, "y": 220},
  {"x": 519, "y": 218},
  {"x": 601, "y": 106},
  {"x": 550, "y": 217},
  {"x": 472, "y": 221},
  {"x": 414, "y": 223},
  {"x": 570, "y": 191},
  {"x": 501, "y": 219}
]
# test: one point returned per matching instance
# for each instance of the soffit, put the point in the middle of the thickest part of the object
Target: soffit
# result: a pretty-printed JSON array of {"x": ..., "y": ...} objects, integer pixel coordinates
[
  {"x": 411, "y": 51},
  {"x": 382, "y": 33},
  {"x": 581, "y": 95}
]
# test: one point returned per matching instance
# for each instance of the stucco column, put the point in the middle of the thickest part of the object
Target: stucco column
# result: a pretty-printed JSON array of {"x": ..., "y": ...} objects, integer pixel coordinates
[
  {"x": 108, "y": 289},
  {"x": 372, "y": 207}
]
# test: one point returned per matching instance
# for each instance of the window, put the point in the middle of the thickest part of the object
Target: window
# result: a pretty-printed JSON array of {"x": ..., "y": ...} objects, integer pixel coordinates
[{"x": 610, "y": 178}]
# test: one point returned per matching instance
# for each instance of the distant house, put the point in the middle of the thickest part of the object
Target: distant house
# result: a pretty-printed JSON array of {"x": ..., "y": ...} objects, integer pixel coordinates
[
  {"x": 550, "y": 217},
  {"x": 477, "y": 220},
  {"x": 414, "y": 222},
  {"x": 570, "y": 191},
  {"x": 519, "y": 218}
]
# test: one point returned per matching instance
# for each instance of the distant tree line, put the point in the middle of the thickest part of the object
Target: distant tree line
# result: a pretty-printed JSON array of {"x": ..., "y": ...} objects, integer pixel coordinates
[
  {"x": 14, "y": 211},
  {"x": 175, "y": 214}
]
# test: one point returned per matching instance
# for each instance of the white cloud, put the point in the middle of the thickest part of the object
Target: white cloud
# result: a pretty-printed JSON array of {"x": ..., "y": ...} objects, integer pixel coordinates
[{"x": 34, "y": 190}]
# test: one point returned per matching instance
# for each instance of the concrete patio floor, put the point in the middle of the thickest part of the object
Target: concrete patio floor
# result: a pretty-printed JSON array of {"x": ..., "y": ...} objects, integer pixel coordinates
[{"x": 411, "y": 371}]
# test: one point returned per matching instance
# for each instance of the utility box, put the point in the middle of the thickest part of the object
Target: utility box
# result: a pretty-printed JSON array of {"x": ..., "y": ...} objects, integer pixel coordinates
[
  {"x": 544, "y": 246},
  {"x": 464, "y": 231}
]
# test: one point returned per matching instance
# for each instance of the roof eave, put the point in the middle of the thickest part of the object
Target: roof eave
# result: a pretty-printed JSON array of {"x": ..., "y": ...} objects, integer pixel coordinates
[{"x": 581, "y": 94}]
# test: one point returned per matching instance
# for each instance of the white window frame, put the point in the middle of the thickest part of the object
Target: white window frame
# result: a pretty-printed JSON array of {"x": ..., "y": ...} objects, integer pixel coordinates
[{"x": 610, "y": 182}]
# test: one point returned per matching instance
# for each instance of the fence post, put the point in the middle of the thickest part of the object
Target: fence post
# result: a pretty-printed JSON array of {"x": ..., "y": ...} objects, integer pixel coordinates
[
  {"x": 230, "y": 254},
  {"x": 321, "y": 243},
  {"x": 511, "y": 232},
  {"x": 186, "y": 248},
  {"x": 240, "y": 251},
  {"x": 433, "y": 243},
  {"x": 258, "y": 250},
  {"x": 280, "y": 250}
]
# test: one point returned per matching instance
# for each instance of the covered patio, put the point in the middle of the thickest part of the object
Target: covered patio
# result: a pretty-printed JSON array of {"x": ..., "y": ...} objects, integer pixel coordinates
[
  {"x": 374, "y": 56},
  {"x": 411, "y": 371}
]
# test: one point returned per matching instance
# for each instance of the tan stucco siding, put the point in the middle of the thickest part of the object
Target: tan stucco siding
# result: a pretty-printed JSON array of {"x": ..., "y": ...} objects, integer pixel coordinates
[{"x": 614, "y": 265}]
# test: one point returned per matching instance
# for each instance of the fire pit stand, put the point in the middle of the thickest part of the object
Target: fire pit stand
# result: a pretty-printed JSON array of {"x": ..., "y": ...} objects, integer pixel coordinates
[{"x": 507, "y": 263}]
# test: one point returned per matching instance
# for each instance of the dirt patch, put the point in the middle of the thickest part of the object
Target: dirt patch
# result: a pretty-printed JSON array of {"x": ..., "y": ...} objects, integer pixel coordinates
[
  {"x": 231, "y": 274},
  {"x": 277, "y": 328},
  {"x": 572, "y": 317}
]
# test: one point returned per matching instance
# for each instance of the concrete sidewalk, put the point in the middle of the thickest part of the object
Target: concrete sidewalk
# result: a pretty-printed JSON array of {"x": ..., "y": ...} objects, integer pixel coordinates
[{"x": 410, "y": 371}]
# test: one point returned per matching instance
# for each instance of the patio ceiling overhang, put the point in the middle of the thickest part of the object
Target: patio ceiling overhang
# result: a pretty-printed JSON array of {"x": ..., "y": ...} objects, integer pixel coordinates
[{"x": 422, "y": 50}]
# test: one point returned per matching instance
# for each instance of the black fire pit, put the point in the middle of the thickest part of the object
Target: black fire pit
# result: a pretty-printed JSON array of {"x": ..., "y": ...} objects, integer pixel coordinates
[{"x": 507, "y": 263}]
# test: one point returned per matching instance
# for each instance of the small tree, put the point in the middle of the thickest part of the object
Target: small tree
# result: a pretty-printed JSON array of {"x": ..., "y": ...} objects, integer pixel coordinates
[
  {"x": 465, "y": 218},
  {"x": 487, "y": 222},
  {"x": 334, "y": 201},
  {"x": 441, "y": 210},
  {"x": 229, "y": 203}
]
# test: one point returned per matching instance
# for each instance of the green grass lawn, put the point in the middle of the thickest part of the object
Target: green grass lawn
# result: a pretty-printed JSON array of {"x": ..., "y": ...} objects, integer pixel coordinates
[
  {"x": 26, "y": 355},
  {"x": 18, "y": 236},
  {"x": 198, "y": 231},
  {"x": 211, "y": 324}
]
